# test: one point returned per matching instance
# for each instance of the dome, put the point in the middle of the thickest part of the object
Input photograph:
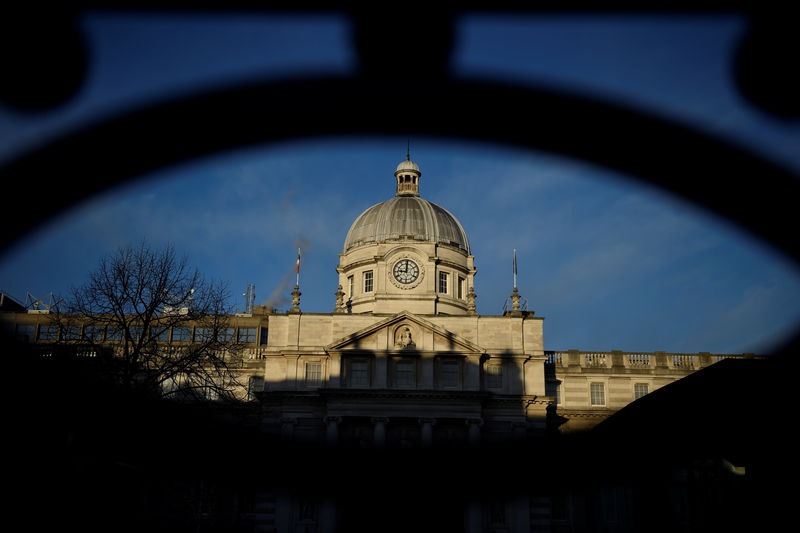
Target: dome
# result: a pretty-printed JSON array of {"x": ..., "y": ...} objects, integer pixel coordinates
[
  {"x": 407, "y": 165},
  {"x": 406, "y": 217}
]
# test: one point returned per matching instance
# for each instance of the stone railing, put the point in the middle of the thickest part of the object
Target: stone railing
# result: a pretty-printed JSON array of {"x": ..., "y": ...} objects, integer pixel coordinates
[
  {"x": 255, "y": 353},
  {"x": 636, "y": 360}
]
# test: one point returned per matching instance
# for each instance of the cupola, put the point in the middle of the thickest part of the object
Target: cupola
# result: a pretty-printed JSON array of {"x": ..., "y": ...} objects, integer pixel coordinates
[{"x": 407, "y": 175}]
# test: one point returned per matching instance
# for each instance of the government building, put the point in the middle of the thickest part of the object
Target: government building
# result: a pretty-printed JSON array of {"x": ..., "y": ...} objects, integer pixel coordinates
[{"x": 404, "y": 366}]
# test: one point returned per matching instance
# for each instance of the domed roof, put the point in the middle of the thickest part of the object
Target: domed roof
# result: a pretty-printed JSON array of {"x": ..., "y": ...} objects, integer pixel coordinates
[
  {"x": 406, "y": 217},
  {"x": 407, "y": 165}
]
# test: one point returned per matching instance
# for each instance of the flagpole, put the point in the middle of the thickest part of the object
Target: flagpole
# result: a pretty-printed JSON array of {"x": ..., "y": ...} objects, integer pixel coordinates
[
  {"x": 297, "y": 267},
  {"x": 515, "y": 268}
]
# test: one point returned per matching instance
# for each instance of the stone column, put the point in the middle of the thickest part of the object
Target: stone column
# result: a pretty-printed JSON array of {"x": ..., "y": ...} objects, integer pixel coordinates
[
  {"x": 332, "y": 430},
  {"x": 426, "y": 436},
  {"x": 474, "y": 430},
  {"x": 379, "y": 431}
]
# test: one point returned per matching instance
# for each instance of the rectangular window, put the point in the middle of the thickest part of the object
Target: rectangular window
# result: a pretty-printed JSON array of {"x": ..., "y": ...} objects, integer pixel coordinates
[
  {"x": 494, "y": 376},
  {"x": 404, "y": 373},
  {"x": 113, "y": 334},
  {"x": 26, "y": 332},
  {"x": 350, "y": 287},
  {"x": 461, "y": 283},
  {"x": 450, "y": 374},
  {"x": 264, "y": 336},
  {"x": 368, "y": 281},
  {"x": 313, "y": 374},
  {"x": 48, "y": 333},
  {"x": 136, "y": 332},
  {"x": 639, "y": 390},
  {"x": 598, "y": 393},
  {"x": 211, "y": 391},
  {"x": 255, "y": 385},
  {"x": 71, "y": 333},
  {"x": 359, "y": 373},
  {"x": 181, "y": 334},
  {"x": 227, "y": 334},
  {"x": 203, "y": 334},
  {"x": 93, "y": 333},
  {"x": 159, "y": 334},
  {"x": 247, "y": 335},
  {"x": 443, "y": 282}
]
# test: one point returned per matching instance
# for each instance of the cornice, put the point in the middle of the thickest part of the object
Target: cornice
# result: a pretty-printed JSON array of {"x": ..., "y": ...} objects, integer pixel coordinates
[
  {"x": 403, "y": 394},
  {"x": 600, "y": 413}
]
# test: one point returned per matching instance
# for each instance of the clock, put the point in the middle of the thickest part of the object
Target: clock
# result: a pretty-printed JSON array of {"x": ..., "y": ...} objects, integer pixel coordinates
[{"x": 405, "y": 271}]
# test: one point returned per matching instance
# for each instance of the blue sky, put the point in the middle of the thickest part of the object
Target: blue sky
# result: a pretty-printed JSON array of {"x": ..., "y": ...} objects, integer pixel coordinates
[{"x": 610, "y": 263}]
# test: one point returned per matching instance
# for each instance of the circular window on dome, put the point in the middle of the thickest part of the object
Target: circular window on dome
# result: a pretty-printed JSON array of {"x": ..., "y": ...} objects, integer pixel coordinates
[{"x": 406, "y": 273}]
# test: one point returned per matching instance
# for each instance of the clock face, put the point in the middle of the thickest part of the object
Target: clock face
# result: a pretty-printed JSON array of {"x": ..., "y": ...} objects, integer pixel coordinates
[{"x": 406, "y": 271}]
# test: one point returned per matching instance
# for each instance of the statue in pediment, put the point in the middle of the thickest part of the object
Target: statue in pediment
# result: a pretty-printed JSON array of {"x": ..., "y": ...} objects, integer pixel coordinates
[{"x": 404, "y": 338}]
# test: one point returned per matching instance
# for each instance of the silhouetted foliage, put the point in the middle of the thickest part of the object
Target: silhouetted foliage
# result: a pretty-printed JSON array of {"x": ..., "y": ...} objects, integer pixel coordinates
[{"x": 167, "y": 326}]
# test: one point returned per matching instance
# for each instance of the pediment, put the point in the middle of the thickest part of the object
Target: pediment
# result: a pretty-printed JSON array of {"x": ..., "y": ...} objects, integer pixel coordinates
[{"x": 405, "y": 331}]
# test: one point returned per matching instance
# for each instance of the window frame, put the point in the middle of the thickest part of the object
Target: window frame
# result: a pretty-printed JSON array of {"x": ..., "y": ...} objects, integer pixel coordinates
[
  {"x": 93, "y": 333},
  {"x": 246, "y": 335},
  {"x": 114, "y": 334},
  {"x": 637, "y": 389},
  {"x": 255, "y": 384},
  {"x": 188, "y": 337},
  {"x": 411, "y": 383},
  {"x": 31, "y": 334},
  {"x": 159, "y": 333},
  {"x": 47, "y": 333},
  {"x": 71, "y": 333},
  {"x": 442, "y": 382},
  {"x": 226, "y": 334},
  {"x": 350, "y": 372},
  {"x": 494, "y": 375},
  {"x": 309, "y": 380},
  {"x": 136, "y": 333},
  {"x": 368, "y": 281},
  {"x": 204, "y": 334},
  {"x": 443, "y": 282},
  {"x": 597, "y": 386}
]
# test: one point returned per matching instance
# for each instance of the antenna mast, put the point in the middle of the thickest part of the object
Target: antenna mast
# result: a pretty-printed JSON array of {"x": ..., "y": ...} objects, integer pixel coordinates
[{"x": 249, "y": 298}]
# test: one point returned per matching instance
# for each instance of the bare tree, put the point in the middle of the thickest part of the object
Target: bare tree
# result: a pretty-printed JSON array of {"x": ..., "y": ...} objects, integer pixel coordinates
[{"x": 166, "y": 326}]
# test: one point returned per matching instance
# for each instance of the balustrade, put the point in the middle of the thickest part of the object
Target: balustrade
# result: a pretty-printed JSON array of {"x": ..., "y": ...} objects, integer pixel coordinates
[
  {"x": 680, "y": 360},
  {"x": 638, "y": 360},
  {"x": 255, "y": 353},
  {"x": 554, "y": 358},
  {"x": 595, "y": 360}
]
